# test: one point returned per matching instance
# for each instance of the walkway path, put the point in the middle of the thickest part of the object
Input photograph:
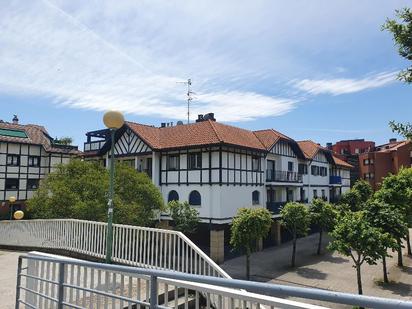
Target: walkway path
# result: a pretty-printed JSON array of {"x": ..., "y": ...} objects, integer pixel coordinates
[
  {"x": 328, "y": 271},
  {"x": 8, "y": 271}
]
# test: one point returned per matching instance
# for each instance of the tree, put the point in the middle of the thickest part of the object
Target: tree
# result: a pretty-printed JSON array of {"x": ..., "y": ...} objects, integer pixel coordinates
[
  {"x": 401, "y": 29},
  {"x": 396, "y": 191},
  {"x": 63, "y": 140},
  {"x": 186, "y": 218},
  {"x": 249, "y": 226},
  {"x": 323, "y": 215},
  {"x": 404, "y": 129},
  {"x": 388, "y": 220},
  {"x": 296, "y": 219},
  {"x": 357, "y": 196},
  {"x": 79, "y": 190},
  {"x": 355, "y": 237}
]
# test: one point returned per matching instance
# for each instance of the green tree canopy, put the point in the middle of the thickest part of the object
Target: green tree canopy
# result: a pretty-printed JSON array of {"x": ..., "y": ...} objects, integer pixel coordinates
[
  {"x": 249, "y": 226},
  {"x": 401, "y": 29},
  {"x": 79, "y": 190},
  {"x": 185, "y": 217},
  {"x": 63, "y": 140},
  {"x": 354, "y": 236},
  {"x": 356, "y": 198},
  {"x": 323, "y": 214},
  {"x": 296, "y": 219}
]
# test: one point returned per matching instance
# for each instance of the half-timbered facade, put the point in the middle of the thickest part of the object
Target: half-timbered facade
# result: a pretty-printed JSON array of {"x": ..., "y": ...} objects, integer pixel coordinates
[{"x": 27, "y": 155}]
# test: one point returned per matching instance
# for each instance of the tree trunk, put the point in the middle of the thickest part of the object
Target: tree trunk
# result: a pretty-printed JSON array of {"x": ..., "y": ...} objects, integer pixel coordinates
[
  {"x": 385, "y": 272},
  {"x": 248, "y": 264},
  {"x": 320, "y": 241},
  {"x": 400, "y": 262},
  {"x": 408, "y": 243},
  {"x": 294, "y": 250},
  {"x": 359, "y": 278}
]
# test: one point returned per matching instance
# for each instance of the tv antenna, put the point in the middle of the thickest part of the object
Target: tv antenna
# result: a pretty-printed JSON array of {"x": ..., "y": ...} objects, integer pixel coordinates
[{"x": 189, "y": 96}]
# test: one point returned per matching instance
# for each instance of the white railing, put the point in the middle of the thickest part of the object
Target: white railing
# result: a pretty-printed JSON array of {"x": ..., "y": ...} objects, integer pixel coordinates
[
  {"x": 132, "y": 245},
  {"x": 46, "y": 281}
]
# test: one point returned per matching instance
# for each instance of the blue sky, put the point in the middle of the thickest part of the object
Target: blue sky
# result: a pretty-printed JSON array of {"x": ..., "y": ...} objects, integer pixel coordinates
[{"x": 319, "y": 70}]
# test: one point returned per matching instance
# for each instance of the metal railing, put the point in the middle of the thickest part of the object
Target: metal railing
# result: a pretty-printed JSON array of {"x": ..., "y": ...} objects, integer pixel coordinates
[
  {"x": 91, "y": 146},
  {"x": 46, "y": 282},
  {"x": 132, "y": 245},
  {"x": 282, "y": 176}
]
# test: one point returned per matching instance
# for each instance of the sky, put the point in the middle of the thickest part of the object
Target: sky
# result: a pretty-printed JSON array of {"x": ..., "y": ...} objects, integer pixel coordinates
[{"x": 319, "y": 70}]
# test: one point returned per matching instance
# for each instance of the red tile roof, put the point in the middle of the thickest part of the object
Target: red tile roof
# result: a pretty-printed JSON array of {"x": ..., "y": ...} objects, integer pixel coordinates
[
  {"x": 270, "y": 137},
  {"x": 391, "y": 146},
  {"x": 310, "y": 148},
  {"x": 36, "y": 135},
  {"x": 196, "y": 134},
  {"x": 340, "y": 162}
]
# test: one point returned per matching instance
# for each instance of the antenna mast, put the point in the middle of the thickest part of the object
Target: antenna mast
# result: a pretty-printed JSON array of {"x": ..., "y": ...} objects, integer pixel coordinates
[{"x": 189, "y": 96}]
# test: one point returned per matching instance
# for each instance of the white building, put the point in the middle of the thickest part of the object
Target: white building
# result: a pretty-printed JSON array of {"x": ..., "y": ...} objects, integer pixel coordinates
[
  {"x": 27, "y": 155},
  {"x": 219, "y": 168}
]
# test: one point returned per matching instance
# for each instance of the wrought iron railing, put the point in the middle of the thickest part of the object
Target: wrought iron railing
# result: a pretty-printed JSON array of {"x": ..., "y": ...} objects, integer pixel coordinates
[{"x": 282, "y": 176}]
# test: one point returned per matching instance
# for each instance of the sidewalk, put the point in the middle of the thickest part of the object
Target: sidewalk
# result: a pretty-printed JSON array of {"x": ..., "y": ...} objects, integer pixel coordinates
[
  {"x": 328, "y": 271},
  {"x": 8, "y": 272}
]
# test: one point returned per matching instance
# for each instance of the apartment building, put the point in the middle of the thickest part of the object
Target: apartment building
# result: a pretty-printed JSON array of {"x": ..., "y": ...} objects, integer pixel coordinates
[
  {"x": 383, "y": 160},
  {"x": 27, "y": 154},
  {"x": 219, "y": 168}
]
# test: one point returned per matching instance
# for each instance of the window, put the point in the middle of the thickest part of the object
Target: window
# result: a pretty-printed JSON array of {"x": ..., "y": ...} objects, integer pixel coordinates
[
  {"x": 255, "y": 163},
  {"x": 315, "y": 193},
  {"x": 315, "y": 170},
  {"x": 173, "y": 196},
  {"x": 33, "y": 161},
  {"x": 302, "y": 168},
  {"x": 369, "y": 176},
  {"x": 371, "y": 161},
  {"x": 255, "y": 197},
  {"x": 195, "y": 161},
  {"x": 323, "y": 193},
  {"x": 323, "y": 171},
  {"x": 12, "y": 184},
  {"x": 290, "y": 166},
  {"x": 366, "y": 162},
  {"x": 195, "y": 198},
  {"x": 173, "y": 162},
  {"x": 13, "y": 160},
  {"x": 32, "y": 184}
]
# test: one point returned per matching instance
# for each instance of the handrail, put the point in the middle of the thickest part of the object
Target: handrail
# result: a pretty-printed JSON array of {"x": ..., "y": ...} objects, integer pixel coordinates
[
  {"x": 273, "y": 290},
  {"x": 132, "y": 245}
]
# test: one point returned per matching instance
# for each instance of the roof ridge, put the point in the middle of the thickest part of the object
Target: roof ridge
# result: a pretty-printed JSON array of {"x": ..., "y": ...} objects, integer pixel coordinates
[{"x": 214, "y": 130}]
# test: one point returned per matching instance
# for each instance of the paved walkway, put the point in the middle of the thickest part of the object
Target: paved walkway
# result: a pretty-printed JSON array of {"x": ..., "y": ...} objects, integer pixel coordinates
[
  {"x": 328, "y": 271},
  {"x": 8, "y": 272}
]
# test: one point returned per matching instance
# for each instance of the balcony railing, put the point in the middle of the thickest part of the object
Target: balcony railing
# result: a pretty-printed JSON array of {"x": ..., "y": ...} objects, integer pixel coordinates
[
  {"x": 93, "y": 146},
  {"x": 335, "y": 180},
  {"x": 282, "y": 176},
  {"x": 275, "y": 206}
]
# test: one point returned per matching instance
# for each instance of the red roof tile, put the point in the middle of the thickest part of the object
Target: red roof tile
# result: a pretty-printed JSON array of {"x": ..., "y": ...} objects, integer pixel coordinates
[
  {"x": 340, "y": 162},
  {"x": 270, "y": 137}
]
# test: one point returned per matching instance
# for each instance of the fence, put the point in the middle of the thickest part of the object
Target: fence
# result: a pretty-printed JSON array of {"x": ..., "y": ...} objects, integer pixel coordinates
[
  {"x": 45, "y": 282},
  {"x": 132, "y": 245}
]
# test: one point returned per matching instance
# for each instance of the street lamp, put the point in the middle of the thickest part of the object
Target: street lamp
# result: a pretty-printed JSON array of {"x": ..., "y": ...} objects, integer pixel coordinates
[
  {"x": 113, "y": 120},
  {"x": 12, "y": 200}
]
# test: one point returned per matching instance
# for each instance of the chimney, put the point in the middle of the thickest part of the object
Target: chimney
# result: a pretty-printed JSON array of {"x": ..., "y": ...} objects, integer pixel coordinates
[
  {"x": 209, "y": 116},
  {"x": 199, "y": 118},
  {"x": 329, "y": 145},
  {"x": 392, "y": 140},
  {"x": 163, "y": 125},
  {"x": 15, "y": 120}
]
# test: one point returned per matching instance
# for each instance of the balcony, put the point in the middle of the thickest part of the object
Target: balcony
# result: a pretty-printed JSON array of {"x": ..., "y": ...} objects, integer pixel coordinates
[
  {"x": 275, "y": 206},
  {"x": 93, "y": 146},
  {"x": 335, "y": 180},
  {"x": 282, "y": 176}
]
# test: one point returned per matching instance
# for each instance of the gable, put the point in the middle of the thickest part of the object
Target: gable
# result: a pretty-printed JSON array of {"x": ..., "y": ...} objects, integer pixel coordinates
[
  {"x": 283, "y": 148},
  {"x": 130, "y": 143},
  {"x": 320, "y": 157}
]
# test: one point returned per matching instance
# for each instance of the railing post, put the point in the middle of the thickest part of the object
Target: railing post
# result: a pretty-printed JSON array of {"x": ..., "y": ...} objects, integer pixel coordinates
[
  {"x": 153, "y": 292},
  {"x": 17, "y": 305},
  {"x": 60, "y": 293}
]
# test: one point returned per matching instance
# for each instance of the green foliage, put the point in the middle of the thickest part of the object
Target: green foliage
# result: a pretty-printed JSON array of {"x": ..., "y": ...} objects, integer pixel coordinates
[
  {"x": 79, "y": 190},
  {"x": 404, "y": 129},
  {"x": 63, "y": 140},
  {"x": 295, "y": 218},
  {"x": 356, "y": 198},
  {"x": 401, "y": 29},
  {"x": 323, "y": 214},
  {"x": 249, "y": 225},
  {"x": 186, "y": 218}
]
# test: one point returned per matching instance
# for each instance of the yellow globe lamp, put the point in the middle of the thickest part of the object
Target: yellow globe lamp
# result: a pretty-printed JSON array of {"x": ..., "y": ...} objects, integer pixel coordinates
[
  {"x": 18, "y": 215},
  {"x": 12, "y": 199},
  {"x": 113, "y": 120}
]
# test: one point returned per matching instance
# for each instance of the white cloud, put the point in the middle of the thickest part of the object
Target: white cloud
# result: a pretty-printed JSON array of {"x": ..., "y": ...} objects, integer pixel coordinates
[{"x": 345, "y": 85}]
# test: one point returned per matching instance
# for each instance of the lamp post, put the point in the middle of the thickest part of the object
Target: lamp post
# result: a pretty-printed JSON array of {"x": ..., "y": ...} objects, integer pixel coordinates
[
  {"x": 113, "y": 120},
  {"x": 12, "y": 200}
]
